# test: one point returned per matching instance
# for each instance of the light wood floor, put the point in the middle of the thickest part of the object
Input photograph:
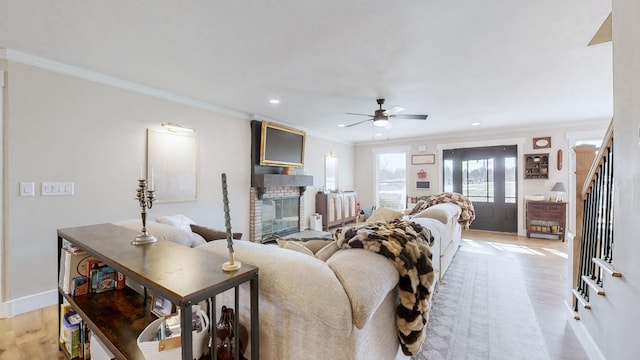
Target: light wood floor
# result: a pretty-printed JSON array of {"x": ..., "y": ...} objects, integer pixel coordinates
[
  {"x": 544, "y": 265},
  {"x": 33, "y": 335}
]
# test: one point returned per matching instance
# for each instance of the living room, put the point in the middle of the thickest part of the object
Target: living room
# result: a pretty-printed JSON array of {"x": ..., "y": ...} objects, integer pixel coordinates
[{"x": 67, "y": 123}]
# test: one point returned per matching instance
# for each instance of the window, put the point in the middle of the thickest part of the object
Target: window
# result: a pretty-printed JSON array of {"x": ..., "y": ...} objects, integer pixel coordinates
[
  {"x": 510, "y": 184},
  {"x": 331, "y": 172},
  {"x": 391, "y": 180},
  {"x": 477, "y": 180}
]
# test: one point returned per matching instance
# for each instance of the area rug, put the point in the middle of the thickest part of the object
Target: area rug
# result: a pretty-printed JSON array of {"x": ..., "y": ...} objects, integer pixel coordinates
[{"x": 482, "y": 311}]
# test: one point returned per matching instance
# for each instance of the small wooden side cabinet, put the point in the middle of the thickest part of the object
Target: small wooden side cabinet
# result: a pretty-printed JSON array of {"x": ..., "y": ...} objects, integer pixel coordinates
[
  {"x": 337, "y": 209},
  {"x": 546, "y": 219}
]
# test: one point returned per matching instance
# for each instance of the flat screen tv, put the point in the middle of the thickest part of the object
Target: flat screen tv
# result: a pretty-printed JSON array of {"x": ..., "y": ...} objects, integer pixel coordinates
[{"x": 281, "y": 145}]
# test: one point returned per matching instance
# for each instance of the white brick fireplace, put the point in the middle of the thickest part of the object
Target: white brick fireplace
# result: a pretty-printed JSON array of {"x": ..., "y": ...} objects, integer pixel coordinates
[{"x": 271, "y": 193}]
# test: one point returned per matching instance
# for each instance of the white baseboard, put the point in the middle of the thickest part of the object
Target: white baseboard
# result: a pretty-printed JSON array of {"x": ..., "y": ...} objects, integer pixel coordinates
[
  {"x": 589, "y": 346},
  {"x": 28, "y": 303}
]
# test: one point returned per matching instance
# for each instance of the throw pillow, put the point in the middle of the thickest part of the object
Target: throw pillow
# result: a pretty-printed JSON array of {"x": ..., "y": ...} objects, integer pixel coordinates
[
  {"x": 179, "y": 221},
  {"x": 210, "y": 234},
  {"x": 328, "y": 250},
  {"x": 164, "y": 232},
  {"x": 296, "y": 246},
  {"x": 313, "y": 244},
  {"x": 384, "y": 214}
]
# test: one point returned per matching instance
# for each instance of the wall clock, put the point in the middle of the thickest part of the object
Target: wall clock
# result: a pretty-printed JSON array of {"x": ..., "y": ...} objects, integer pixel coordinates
[{"x": 542, "y": 142}]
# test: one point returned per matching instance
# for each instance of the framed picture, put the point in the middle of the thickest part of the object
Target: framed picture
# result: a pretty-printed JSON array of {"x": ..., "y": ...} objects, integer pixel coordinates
[
  {"x": 423, "y": 159},
  {"x": 423, "y": 185},
  {"x": 172, "y": 166},
  {"x": 542, "y": 142},
  {"x": 162, "y": 307}
]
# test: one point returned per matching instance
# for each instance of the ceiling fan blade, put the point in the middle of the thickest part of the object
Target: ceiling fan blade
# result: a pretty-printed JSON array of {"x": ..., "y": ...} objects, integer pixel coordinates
[
  {"x": 410, "y": 116},
  {"x": 358, "y": 123},
  {"x": 359, "y": 114},
  {"x": 395, "y": 109}
]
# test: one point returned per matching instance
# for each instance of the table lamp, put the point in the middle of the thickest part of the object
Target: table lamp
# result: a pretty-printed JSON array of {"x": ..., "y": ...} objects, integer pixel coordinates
[{"x": 560, "y": 188}]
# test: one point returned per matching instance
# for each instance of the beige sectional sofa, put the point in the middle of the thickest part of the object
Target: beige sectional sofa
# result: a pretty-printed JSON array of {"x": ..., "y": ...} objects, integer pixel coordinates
[{"x": 334, "y": 304}]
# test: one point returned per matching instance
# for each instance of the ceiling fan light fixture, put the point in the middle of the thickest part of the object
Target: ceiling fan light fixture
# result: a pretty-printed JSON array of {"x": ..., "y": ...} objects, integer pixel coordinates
[{"x": 380, "y": 122}]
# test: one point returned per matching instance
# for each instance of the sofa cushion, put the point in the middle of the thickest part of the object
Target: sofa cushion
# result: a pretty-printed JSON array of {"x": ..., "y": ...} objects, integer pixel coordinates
[
  {"x": 384, "y": 214},
  {"x": 440, "y": 212},
  {"x": 367, "y": 278},
  {"x": 179, "y": 221},
  {"x": 165, "y": 232},
  {"x": 294, "y": 281},
  {"x": 210, "y": 234}
]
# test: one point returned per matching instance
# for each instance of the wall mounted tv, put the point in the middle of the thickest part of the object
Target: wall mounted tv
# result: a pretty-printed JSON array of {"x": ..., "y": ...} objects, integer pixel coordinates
[{"x": 281, "y": 145}]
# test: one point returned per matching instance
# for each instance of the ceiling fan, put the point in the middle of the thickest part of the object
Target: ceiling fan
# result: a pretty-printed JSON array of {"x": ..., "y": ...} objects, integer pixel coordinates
[{"x": 381, "y": 116}]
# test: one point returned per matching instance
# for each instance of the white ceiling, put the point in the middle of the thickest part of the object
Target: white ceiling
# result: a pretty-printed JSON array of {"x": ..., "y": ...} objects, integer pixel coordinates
[{"x": 503, "y": 63}]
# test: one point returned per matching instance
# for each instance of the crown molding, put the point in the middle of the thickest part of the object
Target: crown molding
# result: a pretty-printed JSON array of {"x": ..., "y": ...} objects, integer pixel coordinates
[{"x": 61, "y": 68}]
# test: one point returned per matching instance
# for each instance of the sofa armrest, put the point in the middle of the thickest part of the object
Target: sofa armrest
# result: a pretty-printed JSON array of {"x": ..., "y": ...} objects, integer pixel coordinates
[
  {"x": 445, "y": 213},
  {"x": 367, "y": 278}
]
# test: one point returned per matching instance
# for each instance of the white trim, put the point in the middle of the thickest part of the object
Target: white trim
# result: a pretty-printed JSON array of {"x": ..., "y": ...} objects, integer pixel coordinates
[
  {"x": 574, "y": 136},
  {"x": 28, "y": 303},
  {"x": 391, "y": 149},
  {"x": 588, "y": 344},
  {"x": 61, "y": 68},
  {"x": 494, "y": 142},
  {"x": 3, "y": 256}
]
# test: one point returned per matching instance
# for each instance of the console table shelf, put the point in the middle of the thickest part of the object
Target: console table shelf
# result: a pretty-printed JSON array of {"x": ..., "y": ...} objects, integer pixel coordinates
[
  {"x": 174, "y": 272},
  {"x": 118, "y": 316}
]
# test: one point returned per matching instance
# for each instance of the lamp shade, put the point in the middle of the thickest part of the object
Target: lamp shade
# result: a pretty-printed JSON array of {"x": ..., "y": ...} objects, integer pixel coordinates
[{"x": 559, "y": 186}]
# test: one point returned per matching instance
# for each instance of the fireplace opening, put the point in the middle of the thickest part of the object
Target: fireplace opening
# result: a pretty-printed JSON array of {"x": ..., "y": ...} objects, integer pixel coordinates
[{"x": 280, "y": 216}]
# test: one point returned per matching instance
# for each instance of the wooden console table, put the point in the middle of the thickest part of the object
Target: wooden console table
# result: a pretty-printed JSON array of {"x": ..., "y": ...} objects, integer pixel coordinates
[
  {"x": 177, "y": 273},
  {"x": 546, "y": 219}
]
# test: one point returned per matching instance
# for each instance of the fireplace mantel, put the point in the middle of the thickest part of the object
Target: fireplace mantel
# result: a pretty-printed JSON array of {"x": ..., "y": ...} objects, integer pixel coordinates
[{"x": 263, "y": 181}]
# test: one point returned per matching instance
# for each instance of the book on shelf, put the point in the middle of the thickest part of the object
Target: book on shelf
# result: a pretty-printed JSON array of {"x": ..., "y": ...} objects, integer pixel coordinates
[
  {"x": 103, "y": 277},
  {"x": 67, "y": 245},
  {"x": 72, "y": 265}
]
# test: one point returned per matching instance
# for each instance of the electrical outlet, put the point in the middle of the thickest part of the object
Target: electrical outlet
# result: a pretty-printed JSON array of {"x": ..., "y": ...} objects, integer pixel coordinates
[{"x": 57, "y": 188}]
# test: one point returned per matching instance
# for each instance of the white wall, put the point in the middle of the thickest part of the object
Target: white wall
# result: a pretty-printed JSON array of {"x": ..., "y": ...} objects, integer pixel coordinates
[
  {"x": 315, "y": 150},
  {"x": 63, "y": 128},
  {"x": 612, "y": 324},
  {"x": 365, "y": 167}
]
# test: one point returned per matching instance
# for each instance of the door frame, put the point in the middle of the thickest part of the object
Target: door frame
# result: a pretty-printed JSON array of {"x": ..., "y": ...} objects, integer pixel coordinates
[{"x": 519, "y": 142}]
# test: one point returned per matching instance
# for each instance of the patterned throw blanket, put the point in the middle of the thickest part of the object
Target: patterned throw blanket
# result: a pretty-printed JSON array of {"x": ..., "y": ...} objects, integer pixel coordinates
[
  {"x": 468, "y": 212},
  {"x": 407, "y": 245}
]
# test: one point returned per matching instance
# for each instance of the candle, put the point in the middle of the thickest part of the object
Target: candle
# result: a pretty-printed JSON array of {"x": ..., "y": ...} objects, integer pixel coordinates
[{"x": 152, "y": 177}]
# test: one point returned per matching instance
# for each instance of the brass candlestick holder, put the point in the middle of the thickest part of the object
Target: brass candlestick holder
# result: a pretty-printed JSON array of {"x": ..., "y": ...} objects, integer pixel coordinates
[{"x": 145, "y": 198}]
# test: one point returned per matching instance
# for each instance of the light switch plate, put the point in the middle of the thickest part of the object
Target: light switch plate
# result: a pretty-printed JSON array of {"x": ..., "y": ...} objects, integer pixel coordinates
[{"x": 27, "y": 189}]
